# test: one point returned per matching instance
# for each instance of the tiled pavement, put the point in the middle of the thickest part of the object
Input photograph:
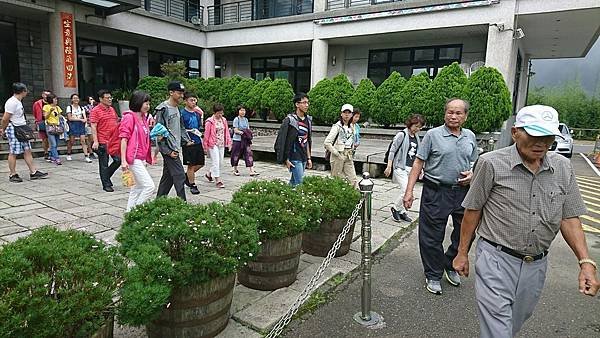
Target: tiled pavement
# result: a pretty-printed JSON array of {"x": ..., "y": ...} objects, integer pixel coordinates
[{"x": 72, "y": 198}]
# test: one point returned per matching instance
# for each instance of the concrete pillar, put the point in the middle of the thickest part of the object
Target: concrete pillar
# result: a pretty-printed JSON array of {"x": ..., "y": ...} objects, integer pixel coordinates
[
  {"x": 143, "y": 61},
  {"x": 500, "y": 52},
  {"x": 207, "y": 63},
  {"x": 57, "y": 52},
  {"x": 523, "y": 83},
  {"x": 319, "y": 6},
  {"x": 318, "y": 61}
]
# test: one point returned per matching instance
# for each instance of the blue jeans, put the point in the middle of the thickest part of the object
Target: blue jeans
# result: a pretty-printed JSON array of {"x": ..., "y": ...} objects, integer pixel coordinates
[
  {"x": 53, "y": 142},
  {"x": 297, "y": 172}
]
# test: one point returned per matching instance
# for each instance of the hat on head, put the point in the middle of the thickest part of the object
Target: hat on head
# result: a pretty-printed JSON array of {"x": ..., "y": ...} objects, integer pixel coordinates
[
  {"x": 176, "y": 85},
  {"x": 538, "y": 120},
  {"x": 347, "y": 106}
]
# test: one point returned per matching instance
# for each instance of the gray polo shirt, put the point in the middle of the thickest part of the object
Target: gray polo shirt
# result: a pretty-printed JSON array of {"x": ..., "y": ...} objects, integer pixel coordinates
[
  {"x": 446, "y": 154},
  {"x": 522, "y": 210}
]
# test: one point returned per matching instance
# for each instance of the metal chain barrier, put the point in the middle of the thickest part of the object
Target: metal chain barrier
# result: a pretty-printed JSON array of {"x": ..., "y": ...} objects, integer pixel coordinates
[{"x": 285, "y": 320}]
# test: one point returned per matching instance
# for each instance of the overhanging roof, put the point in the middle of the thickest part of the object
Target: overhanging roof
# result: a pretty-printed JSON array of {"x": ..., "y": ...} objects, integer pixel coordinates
[{"x": 108, "y": 7}]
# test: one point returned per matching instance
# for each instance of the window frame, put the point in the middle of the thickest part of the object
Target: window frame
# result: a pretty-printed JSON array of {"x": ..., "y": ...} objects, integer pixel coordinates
[{"x": 264, "y": 70}]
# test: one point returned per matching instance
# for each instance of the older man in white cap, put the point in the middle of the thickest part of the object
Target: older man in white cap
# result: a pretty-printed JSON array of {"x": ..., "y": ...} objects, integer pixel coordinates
[{"x": 520, "y": 197}]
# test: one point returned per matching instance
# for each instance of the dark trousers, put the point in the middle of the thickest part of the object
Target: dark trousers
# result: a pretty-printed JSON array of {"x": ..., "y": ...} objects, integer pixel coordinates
[
  {"x": 106, "y": 171},
  {"x": 172, "y": 175},
  {"x": 437, "y": 203}
]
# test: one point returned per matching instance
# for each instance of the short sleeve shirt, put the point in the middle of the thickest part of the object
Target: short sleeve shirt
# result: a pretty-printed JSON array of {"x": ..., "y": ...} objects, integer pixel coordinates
[
  {"x": 15, "y": 108},
  {"x": 523, "y": 210},
  {"x": 447, "y": 155},
  {"x": 191, "y": 120},
  {"x": 53, "y": 114},
  {"x": 240, "y": 123},
  {"x": 106, "y": 119}
]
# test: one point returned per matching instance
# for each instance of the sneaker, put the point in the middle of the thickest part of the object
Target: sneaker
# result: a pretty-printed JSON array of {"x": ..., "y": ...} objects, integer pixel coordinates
[
  {"x": 187, "y": 182},
  {"x": 88, "y": 160},
  {"x": 404, "y": 217},
  {"x": 236, "y": 173},
  {"x": 15, "y": 178},
  {"x": 434, "y": 286},
  {"x": 37, "y": 174},
  {"x": 93, "y": 156},
  {"x": 69, "y": 158},
  {"x": 108, "y": 189},
  {"x": 56, "y": 161},
  {"x": 395, "y": 214},
  {"x": 452, "y": 277},
  {"x": 194, "y": 190}
]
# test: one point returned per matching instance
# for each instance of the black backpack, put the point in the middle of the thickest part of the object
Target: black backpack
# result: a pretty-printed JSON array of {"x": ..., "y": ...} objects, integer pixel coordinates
[{"x": 387, "y": 153}]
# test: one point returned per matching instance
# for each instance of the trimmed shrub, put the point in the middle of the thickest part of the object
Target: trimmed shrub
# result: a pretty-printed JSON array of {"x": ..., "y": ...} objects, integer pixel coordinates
[
  {"x": 278, "y": 98},
  {"x": 363, "y": 98},
  {"x": 194, "y": 85},
  {"x": 156, "y": 87},
  {"x": 227, "y": 86},
  {"x": 57, "y": 284},
  {"x": 210, "y": 89},
  {"x": 173, "y": 244},
  {"x": 255, "y": 94},
  {"x": 415, "y": 96},
  {"x": 388, "y": 101},
  {"x": 338, "y": 197},
  {"x": 320, "y": 103},
  {"x": 279, "y": 210},
  {"x": 174, "y": 71},
  {"x": 450, "y": 82},
  {"x": 490, "y": 100},
  {"x": 241, "y": 93}
]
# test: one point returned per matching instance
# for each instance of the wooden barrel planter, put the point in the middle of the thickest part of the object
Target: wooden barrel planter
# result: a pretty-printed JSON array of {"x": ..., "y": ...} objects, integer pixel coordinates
[
  {"x": 276, "y": 266},
  {"x": 198, "y": 311},
  {"x": 320, "y": 241}
]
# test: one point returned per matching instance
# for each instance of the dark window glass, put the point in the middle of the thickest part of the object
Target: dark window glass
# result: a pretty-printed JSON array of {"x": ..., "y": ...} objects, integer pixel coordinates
[
  {"x": 272, "y": 63},
  {"x": 304, "y": 61},
  {"x": 449, "y": 53},
  {"x": 295, "y": 69},
  {"x": 109, "y": 50},
  {"x": 401, "y": 56},
  {"x": 258, "y": 63},
  {"x": 86, "y": 46},
  {"x": 378, "y": 57},
  {"x": 128, "y": 51},
  {"x": 259, "y": 76},
  {"x": 302, "y": 81},
  {"x": 378, "y": 75},
  {"x": 405, "y": 71},
  {"x": 424, "y": 54},
  {"x": 287, "y": 62}
]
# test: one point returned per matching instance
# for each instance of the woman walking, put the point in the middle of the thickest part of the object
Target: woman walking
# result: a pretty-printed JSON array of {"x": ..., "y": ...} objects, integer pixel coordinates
[
  {"x": 77, "y": 119},
  {"x": 52, "y": 116},
  {"x": 193, "y": 155},
  {"x": 340, "y": 144},
  {"x": 356, "y": 126},
  {"x": 90, "y": 104},
  {"x": 135, "y": 148},
  {"x": 242, "y": 139},
  {"x": 402, "y": 154},
  {"x": 216, "y": 138}
]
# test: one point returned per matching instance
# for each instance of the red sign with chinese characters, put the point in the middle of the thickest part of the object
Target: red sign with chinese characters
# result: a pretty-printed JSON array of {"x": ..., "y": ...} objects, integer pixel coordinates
[{"x": 66, "y": 20}]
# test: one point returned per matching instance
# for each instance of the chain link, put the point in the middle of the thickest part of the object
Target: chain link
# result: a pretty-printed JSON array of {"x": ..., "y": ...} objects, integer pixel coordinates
[{"x": 285, "y": 320}]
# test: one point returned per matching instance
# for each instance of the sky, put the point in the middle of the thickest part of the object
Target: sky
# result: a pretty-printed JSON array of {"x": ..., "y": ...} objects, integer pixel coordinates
[{"x": 555, "y": 72}]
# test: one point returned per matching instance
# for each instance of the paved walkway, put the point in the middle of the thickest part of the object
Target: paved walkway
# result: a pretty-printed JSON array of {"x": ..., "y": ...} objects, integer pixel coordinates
[{"x": 72, "y": 198}]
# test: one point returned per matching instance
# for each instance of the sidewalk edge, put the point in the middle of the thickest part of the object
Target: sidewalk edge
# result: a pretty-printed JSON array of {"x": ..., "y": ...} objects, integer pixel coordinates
[{"x": 590, "y": 164}]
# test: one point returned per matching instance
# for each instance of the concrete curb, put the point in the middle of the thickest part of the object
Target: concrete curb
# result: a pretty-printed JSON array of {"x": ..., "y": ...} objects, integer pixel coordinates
[{"x": 590, "y": 163}]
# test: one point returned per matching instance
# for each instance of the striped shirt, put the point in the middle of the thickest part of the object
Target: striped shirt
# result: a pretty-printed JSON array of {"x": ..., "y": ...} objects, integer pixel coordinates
[{"x": 522, "y": 210}]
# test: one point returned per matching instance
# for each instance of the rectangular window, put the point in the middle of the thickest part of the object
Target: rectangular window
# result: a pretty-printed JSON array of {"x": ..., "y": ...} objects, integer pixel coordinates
[
  {"x": 111, "y": 50},
  {"x": 155, "y": 59},
  {"x": 411, "y": 61},
  {"x": 295, "y": 69}
]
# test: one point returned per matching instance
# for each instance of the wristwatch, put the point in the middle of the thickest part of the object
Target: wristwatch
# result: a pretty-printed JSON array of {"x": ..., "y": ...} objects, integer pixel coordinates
[{"x": 588, "y": 260}]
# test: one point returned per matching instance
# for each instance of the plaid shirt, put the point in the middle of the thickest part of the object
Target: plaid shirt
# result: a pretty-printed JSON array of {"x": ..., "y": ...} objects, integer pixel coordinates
[{"x": 522, "y": 210}]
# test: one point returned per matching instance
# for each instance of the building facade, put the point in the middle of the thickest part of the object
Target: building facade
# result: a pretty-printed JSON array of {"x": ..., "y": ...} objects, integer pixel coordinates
[{"x": 116, "y": 42}]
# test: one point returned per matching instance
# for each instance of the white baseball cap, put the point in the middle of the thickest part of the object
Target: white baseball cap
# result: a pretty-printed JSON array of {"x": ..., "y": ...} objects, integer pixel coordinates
[
  {"x": 347, "y": 106},
  {"x": 538, "y": 120}
]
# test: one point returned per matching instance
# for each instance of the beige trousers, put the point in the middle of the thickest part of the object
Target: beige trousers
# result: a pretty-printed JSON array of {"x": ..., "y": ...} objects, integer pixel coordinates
[{"x": 343, "y": 166}]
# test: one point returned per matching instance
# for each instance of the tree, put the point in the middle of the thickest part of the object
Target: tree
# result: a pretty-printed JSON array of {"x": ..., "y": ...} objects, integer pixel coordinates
[
  {"x": 363, "y": 97},
  {"x": 450, "y": 82},
  {"x": 415, "y": 96},
  {"x": 156, "y": 87},
  {"x": 227, "y": 86},
  {"x": 174, "y": 71},
  {"x": 278, "y": 98},
  {"x": 388, "y": 100},
  {"x": 240, "y": 95},
  {"x": 489, "y": 98},
  {"x": 320, "y": 103},
  {"x": 255, "y": 96}
]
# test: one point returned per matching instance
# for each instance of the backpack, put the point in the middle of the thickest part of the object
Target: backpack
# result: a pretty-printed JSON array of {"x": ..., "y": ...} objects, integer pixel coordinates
[{"x": 387, "y": 153}]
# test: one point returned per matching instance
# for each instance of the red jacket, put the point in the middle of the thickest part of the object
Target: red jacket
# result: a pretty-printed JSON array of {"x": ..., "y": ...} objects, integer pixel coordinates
[{"x": 210, "y": 133}]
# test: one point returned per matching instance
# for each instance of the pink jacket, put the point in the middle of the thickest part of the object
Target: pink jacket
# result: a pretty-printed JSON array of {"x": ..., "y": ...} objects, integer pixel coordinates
[
  {"x": 210, "y": 133},
  {"x": 138, "y": 144}
]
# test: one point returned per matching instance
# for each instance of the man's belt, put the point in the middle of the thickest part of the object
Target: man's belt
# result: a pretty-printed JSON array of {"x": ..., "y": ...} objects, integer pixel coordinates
[
  {"x": 525, "y": 258},
  {"x": 438, "y": 186}
]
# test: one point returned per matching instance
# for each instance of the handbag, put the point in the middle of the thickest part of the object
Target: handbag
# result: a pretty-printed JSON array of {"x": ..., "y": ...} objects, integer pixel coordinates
[
  {"x": 23, "y": 133},
  {"x": 54, "y": 129}
]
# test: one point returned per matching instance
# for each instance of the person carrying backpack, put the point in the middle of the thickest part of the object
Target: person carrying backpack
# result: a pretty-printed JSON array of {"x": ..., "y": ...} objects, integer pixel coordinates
[{"x": 402, "y": 152}]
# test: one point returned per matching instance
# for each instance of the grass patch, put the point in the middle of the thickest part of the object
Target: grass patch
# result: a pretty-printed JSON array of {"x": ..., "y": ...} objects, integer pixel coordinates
[{"x": 317, "y": 299}]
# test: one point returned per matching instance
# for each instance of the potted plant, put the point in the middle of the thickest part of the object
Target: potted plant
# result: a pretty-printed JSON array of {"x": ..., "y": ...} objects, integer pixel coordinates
[
  {"x": 338, "y": 201},
  {"x": 122, "y": 96},
  {"x": 282, "y": 214},
  {"x": 58, "y": 284},
  {"x": 183, "y": 262}
]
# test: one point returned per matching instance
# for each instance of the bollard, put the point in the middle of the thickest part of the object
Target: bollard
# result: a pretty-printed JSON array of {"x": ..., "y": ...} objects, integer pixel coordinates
[{"x": 366, "y": 317}]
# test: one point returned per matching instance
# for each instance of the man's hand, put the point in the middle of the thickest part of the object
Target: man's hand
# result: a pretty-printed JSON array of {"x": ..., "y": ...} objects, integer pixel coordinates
[
  {"x": 588, "y": 283},
  {"x": 460, "y": 264},
  {"x": 95, "y": 145},
  {"x": 309, "y": 164},
  {"x": 408, "y": 199},
  {"x": 289, "y": 164},
  {"x": 388, "y": 171},
  {"x": 466, "y": 177},
  {"x": 174, "y": 154}
]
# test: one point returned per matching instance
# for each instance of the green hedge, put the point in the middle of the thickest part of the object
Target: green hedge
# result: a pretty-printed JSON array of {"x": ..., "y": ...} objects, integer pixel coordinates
[
  {"x": 388, "y": 100},
  {"x": 278, "y": 98},
  {"x": 489, "y": 98},
  {"x": 415, "y": 97},
  {"x": 364, "y": 98},
  {"x": 450, "y": 82}
]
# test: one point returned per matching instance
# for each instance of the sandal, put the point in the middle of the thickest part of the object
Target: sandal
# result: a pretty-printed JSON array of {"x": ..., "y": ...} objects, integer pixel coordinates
[
  {"x": 254, "y": 174},
  {"x": 220, "y": 185},
  {"x": 208, "y": 177},
  {"x": 237, "y": 173}
]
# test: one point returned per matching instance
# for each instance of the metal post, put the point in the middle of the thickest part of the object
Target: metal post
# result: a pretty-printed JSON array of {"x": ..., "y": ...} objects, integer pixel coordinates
[{"x": 366, "y": 317}]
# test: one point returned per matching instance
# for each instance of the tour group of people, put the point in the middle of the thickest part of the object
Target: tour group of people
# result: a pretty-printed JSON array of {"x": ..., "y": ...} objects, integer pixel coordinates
[{"x": 516, "y": 198}]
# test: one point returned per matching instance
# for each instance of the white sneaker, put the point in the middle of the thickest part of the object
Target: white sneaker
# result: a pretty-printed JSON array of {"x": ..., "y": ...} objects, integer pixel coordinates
[
  {"x": 69, "y": 158},
  {"x": 88, "y": 159}
]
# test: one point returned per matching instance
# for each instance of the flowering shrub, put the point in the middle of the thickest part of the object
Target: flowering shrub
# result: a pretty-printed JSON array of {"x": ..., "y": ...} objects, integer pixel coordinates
[
  {"x": 338, "y": 198},
  {"x": 57, "y": 284},
  {"x": 279, "y": 210},
  {"x": 172, "y": 244}
]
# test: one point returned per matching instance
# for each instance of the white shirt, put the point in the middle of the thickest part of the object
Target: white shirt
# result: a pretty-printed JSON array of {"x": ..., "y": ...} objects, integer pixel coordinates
[
  {"x": 77, "y": 113},
  {"x": 14, "y": 107}
]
